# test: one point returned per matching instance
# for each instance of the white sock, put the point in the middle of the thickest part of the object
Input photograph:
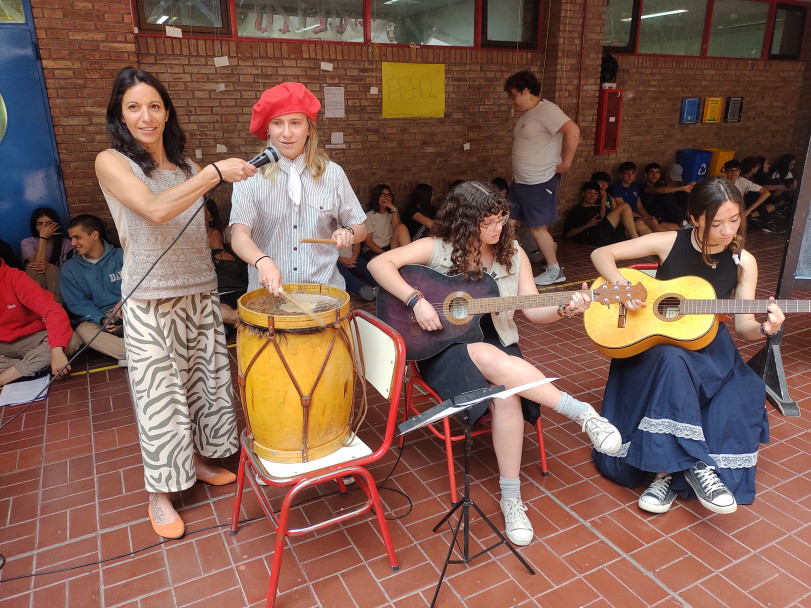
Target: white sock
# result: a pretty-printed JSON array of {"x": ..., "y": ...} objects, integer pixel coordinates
[
  {"x": 572, "y": 408},
  {"x": 510, "y": 487}
]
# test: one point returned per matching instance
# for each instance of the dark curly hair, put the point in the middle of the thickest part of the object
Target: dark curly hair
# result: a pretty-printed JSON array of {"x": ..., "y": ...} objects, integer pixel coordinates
[
  {"x": 374, "y": 197},
  {"x": 174, "y": 139},
  {"x": 458, "y": 222},
  {"x": 706, "y": 197}
]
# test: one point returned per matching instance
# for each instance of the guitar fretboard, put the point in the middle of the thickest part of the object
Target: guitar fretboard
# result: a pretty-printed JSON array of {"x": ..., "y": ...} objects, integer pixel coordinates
[
  {"x": 482, "y": 306},
  {"x": 705, "y": 307}
]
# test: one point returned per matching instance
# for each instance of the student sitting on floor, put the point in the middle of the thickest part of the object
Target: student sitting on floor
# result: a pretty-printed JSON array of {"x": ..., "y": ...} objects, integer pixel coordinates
[
  {"x": 660, "y": 199},
  {"x": 34, "y": 330},
  {"x": 628, "y": 190},
  {"x": 591, "y": 223},
  {"x": 91, "y": 287},
  {"x": 754, "y": 196}
]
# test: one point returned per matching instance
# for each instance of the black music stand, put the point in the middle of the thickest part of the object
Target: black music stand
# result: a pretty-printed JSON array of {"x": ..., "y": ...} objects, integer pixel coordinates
[{"x": 464, "y": 401}]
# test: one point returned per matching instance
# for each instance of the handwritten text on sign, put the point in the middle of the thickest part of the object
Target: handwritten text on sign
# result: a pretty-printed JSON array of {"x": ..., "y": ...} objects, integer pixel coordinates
[{"x": 413, "y": 90}]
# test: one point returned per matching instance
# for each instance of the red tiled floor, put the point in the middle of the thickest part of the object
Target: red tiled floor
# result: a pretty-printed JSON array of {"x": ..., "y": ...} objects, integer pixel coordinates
[{"x": 71, "y": 479}]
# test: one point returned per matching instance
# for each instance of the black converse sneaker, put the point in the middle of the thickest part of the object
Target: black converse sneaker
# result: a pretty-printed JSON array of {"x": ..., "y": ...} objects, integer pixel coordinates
[
  {"x": 711, "y": 493},
  {"x": 658, "y": 498}
]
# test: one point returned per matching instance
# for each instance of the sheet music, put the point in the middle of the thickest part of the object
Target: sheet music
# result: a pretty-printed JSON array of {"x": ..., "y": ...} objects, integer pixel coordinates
[
  {"x": 448, "y": 407},
  {"x": 23, "y": 391}
]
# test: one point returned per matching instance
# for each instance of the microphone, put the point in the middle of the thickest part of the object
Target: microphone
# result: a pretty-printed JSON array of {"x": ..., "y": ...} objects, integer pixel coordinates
[{"x": 270, "y": 155}]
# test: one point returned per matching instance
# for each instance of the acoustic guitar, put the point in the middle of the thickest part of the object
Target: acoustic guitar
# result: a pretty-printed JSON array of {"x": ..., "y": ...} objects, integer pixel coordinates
[
  {"x": 461, "y": 301},
  {"x": 669, "y": 317}
]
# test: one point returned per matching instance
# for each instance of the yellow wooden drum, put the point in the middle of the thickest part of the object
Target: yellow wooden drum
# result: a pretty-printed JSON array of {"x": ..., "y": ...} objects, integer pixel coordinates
[{"x": 296, "y": 377}]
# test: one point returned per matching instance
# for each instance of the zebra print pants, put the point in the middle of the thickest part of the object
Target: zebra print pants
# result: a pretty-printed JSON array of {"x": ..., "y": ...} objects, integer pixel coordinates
[{"x": 180, "y": 381}]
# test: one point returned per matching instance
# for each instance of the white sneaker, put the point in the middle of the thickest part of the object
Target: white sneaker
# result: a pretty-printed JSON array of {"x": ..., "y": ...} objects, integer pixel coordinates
[
  {"x": 604, "y": 435},
  {"x": 123, "y": 363},
  {"x": 550, "y": 276},
  {"x": 517, "y": 525}
]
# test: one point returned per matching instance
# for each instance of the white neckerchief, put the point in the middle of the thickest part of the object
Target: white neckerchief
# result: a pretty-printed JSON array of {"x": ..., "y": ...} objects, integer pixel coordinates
[{"x": 293, "y": 169}]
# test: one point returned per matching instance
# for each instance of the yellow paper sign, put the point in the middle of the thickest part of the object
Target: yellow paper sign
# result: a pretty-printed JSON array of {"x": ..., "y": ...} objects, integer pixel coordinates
[
  {"x": 712, "y": 109},
  {"x": 413, "y": 90}
]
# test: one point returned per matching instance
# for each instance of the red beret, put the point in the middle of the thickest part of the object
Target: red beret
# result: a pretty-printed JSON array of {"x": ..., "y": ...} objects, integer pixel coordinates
[{"x": 286, "y": 98}]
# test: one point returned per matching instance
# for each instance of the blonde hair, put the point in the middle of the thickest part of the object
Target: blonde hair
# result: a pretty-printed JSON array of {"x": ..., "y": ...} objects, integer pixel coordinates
[{"x": 315, "y": 159}]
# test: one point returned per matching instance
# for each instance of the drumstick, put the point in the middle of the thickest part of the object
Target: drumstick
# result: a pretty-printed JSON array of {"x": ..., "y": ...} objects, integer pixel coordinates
[
  {"x": 318, "y": 241},
  {"x": 300, "y": 305}
]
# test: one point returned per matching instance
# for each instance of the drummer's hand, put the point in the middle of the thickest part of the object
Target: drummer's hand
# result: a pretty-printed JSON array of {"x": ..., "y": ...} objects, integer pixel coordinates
[
  {"x": 426, "y": 315},
  {"x": 270, "y": 277},
  {"x": 776, "y": 317},
  {"x": 343, "y": 238},
  {"x": 580, "y": 300}
]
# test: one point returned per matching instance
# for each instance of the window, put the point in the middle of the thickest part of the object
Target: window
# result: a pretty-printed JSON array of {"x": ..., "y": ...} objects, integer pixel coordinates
[
  {"x": 11, "y": 11},
  {"x": 672, "y": 27},
  {"x": 429, "y": 22},
  {"x": 311, "y": 20},
  {"x": 620, "y": 25},
  {"x": 200, "y": 16},
  {"x": 738, "y": 28},
  {"x": 504, "y": 23},
  {"x": 510, "y": 23},
  {"x": 789, "y": 27}
]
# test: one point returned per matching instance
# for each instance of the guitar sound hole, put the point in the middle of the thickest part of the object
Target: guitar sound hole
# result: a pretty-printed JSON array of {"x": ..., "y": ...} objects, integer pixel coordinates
[
  {"x": 458, "y": 308},
  {"x": 668, "y": 308}
]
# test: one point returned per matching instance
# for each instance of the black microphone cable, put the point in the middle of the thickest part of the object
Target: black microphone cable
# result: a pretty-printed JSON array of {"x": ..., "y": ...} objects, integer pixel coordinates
[{"x": 270, "y": 155}]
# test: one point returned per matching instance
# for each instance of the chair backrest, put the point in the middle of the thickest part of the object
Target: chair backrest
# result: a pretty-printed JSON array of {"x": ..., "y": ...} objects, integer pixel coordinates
[{"x": 378, "y": 344}]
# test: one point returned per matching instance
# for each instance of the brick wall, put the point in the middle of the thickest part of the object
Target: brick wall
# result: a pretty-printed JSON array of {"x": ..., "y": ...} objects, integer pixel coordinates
[{"x": 84, "y": 44}]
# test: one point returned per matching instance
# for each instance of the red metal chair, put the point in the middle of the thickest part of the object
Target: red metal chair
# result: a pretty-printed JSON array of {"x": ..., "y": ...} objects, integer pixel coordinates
[
  {"x": 380, "y": 359},
  {"x": 445, "y": 434}
]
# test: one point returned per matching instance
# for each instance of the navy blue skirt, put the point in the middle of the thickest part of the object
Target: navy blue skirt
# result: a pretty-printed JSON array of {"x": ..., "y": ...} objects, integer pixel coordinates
[{"x": 675, "y": 406}]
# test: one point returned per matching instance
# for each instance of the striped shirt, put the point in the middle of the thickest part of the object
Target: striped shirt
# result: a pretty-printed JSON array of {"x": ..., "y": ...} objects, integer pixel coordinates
[{"x": 276, "y": 224}]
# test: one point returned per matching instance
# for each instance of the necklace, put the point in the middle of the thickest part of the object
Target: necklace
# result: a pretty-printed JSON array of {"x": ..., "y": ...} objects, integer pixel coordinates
[{"x": 713, "y": 260}]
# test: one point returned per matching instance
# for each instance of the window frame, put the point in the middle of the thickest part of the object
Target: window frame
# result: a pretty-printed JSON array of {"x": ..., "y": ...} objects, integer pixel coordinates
[
  {"x": 485, "y": 43},
  {"x": 768, "y": 35},
  {"x": 228, "y": 31},
  {"x": 804, "y": 6},
  {"x": 193, "y": 31}
]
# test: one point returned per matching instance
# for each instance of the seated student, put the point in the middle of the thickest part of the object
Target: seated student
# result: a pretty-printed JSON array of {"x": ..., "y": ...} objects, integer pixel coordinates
[
  {"x": 660, "y": 200},
  {"x": 756, "y": 169},
  {"x": 754, "y": 196},
  {"x": 353, "y": 268},
  {"x": 782, "y": 175},
  {"x": 91, "y": 286},
  {"x": 472, "y": 234},
  {"x": 384, "y": 230},
  {"x": 45, "y": 250},
  {"x": 231, "y": 271},
  {"x": 420, "y": 213},
  {"x": 692, "y": 418},
  {"x": 628, "y": 190},
  {"x": 609, "y": 203},
  {"x": 592, "y": 223},
  {"x": 34, "y": 329}
]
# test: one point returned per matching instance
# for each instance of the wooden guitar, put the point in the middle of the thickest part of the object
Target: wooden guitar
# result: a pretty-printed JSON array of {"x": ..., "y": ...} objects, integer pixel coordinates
[
  {"x": 669, "y": 317},
  {"x": 460, "y": 302}
]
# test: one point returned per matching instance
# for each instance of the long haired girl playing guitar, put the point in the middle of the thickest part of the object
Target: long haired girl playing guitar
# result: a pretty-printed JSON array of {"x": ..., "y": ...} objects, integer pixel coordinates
[
  {"x": 473, "y": 235},
  {"x": 693, "y": 418}
]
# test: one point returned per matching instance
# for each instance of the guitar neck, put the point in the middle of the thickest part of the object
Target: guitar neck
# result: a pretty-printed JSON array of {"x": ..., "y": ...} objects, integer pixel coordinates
[
  {"x": 704, "y": 307},
  {"x": 480, "y": 306}
]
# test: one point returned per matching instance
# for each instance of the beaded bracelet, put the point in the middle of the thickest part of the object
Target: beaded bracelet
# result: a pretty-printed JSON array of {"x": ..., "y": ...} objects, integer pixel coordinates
[
  {"x": 564, "y": 312},
  {"x": 413, "y": 298},
  {"x": 763, "y": 331}
]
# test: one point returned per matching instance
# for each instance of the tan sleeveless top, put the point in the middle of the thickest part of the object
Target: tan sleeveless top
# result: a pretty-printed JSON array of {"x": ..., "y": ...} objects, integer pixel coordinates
[
  {"x": 187, "y": 267},
  {"x": 507, "y": 285}
]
